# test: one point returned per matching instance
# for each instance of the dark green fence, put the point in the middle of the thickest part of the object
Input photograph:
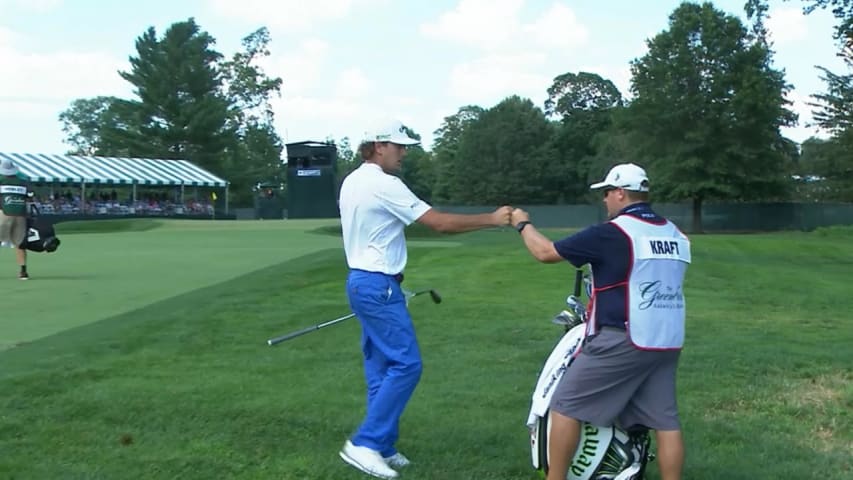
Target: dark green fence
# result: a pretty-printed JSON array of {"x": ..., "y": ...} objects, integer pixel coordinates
[{"x": 716, "y": 217}]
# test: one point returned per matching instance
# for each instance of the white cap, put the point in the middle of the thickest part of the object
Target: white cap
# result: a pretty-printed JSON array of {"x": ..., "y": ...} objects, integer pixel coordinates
[
  {"x": 8, "y": 167},
  {"x": 627, "y": 176},
  {"x": 392, "y": 131}
]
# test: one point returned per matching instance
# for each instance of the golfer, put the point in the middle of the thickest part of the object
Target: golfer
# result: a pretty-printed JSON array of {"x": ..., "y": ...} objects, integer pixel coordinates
[{"x": 375, "y": 208}]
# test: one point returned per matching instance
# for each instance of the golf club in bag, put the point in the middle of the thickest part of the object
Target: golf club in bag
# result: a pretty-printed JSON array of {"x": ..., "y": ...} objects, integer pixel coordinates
[
  {"x": 605, "y": 452},
  {"x": 434, "y": 295}
]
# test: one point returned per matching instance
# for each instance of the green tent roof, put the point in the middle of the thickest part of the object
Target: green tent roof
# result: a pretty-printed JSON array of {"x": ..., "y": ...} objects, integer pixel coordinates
[{"x": 111, "y": 170}]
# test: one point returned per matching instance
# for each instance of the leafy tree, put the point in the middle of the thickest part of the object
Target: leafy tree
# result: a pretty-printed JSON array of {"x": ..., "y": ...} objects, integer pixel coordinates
[
  {"x": 247, "y": 87},
  {"x": 825, "y": 169},
  {"x": 182, "y": 112},
  {"x": 191, "y": 103},
  {"x": 249, "y": 91},
  {"x": 832, "y": 110},
  {"x": 574, "y": 93},
  {"x": 82, "y": 123},
  {"x": 842, "y": 10},
  {"x": 584, "y": 102},
  {"x": 445, "y": 149},
  {"x": 707, "y": 111},
  {"x": 417, "y": 169},
  {"x": 503, "y": 157}
]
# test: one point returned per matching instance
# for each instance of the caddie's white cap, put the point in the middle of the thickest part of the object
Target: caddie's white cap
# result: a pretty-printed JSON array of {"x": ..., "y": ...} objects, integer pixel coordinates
[
  {"x": 627, "y": 176},
  {"x": 391, "y": 131}
]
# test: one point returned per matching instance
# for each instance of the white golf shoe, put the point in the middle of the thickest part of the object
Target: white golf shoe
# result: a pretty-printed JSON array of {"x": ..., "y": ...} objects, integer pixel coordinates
[
  {"x": 398, "y": 460},
  {"x": 367, "y": 460}
]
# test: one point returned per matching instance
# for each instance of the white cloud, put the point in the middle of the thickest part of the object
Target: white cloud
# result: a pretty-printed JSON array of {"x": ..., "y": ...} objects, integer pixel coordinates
[
  {"x": 290, "y": 14},
  {"x": 26, "y": 109},
  {"x": 486, "y": 24},
  {"x": 8, "y": 37},
  {"x": 301, "y": 69},
  {"x": 488, "y": 80},
  {"x": 62, "y": 75},
  {"x": 352, "y": 83},
  {"x": 519, "y": 55},
  {"x": 59, "y": 76},
  {"x": 557, "y": 28},
  {"x": 496, "y": 25},
  {"x": 43, "y": 84},
  {"x": 787, "y": 25}
]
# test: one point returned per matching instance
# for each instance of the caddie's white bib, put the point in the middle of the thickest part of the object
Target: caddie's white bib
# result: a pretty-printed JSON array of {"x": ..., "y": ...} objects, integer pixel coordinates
[{"x": 656, "y": 308}]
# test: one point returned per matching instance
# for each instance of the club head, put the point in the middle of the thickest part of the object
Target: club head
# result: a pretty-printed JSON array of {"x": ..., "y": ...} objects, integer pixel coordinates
[{"x": 436, "y": 298}]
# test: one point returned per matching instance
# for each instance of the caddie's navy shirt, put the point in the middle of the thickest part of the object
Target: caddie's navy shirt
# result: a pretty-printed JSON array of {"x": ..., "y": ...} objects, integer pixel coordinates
[{"x": 608, "y": 250}]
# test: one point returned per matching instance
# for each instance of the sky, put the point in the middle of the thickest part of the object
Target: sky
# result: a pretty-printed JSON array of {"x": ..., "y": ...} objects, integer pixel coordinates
[{"x": 348, "y": 65}]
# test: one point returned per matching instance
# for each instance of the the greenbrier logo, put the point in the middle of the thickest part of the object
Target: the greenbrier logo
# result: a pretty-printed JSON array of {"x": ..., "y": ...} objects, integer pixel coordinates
[{"x": 657, "y": 295}]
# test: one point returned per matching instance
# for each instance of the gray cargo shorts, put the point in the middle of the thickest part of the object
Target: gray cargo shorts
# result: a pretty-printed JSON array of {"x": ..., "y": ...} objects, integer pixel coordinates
[{"x": 612, "y": 381}]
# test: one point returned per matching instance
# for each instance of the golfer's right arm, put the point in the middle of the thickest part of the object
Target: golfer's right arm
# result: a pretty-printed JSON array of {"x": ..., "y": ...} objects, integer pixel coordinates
[{"x": 458, "y": 223}]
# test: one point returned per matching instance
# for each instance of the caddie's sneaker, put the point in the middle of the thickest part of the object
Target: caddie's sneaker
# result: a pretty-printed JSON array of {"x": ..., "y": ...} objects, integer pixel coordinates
[
  {"x": 23, "y": 275},
  {"x": 398, "y": 460},
  {"x": 367, "y": 460}
]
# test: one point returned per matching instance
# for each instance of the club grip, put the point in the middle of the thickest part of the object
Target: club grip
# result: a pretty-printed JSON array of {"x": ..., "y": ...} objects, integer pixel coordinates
[{"x": 578, "y": 282}]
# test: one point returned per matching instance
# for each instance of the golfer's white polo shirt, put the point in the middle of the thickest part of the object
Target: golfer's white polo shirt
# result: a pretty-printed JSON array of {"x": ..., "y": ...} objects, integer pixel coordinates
[{"x": 375, "y": 209}]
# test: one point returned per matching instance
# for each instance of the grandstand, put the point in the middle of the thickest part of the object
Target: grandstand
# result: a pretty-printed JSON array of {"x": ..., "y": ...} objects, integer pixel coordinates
[{"x": 118, "y": 186}]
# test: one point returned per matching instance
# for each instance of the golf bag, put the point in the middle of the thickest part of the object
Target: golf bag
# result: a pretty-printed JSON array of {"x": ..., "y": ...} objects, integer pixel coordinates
[
  {"x": 605, "y": 452},
  {"x": 41, "y": 237}
]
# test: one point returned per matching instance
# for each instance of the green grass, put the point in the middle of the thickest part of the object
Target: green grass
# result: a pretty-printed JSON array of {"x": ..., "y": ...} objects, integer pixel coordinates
[
  {"x": 180, "y": 383},
  {"x": 416, "y": 230},
  {"x": 96, "y": 275},
  {"x": 108, "y": 226}
]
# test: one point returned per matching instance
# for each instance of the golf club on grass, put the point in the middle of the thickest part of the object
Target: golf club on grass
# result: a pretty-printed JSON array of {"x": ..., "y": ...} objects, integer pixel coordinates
[{"x": 436, "y": 298}]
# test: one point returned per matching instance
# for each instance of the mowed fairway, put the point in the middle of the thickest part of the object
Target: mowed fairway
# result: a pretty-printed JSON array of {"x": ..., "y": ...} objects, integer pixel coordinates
[
  {"x": 156, "y": 367},
  {"x": 97, "y": 275}
]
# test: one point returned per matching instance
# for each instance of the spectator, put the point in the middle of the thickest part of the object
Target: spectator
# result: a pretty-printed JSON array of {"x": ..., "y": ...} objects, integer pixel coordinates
[{"x": 13, "y": 218}]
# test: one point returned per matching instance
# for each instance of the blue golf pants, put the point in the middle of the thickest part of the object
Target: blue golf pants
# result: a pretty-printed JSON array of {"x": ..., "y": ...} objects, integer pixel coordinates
[{"x": 392, "y": 359}]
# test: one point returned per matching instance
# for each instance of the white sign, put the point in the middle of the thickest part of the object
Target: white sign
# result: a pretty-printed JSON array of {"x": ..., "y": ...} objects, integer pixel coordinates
[{"x": 308, "y": 173}]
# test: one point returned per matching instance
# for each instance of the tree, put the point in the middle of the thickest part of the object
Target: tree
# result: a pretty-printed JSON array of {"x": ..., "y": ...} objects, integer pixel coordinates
[
  {"x": 191, "y": 103},
  {"x": 584, "y": 102},
  {"x": 825, "y": 169},
  {"x": 573, "y": 93},
  {"x": 833, "y": 110},
  {"x": 248, "y": 90},
  {"x": 182, "y": 112},
  {"x": 82, "y": 124},
  {"x": 707, "y": 111},
  {"x": 756, "y": 10},
  {"x": 417, "y": 169},
  {"x": 503, "y": 157},
  {"x": 445, "y": 148}
]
